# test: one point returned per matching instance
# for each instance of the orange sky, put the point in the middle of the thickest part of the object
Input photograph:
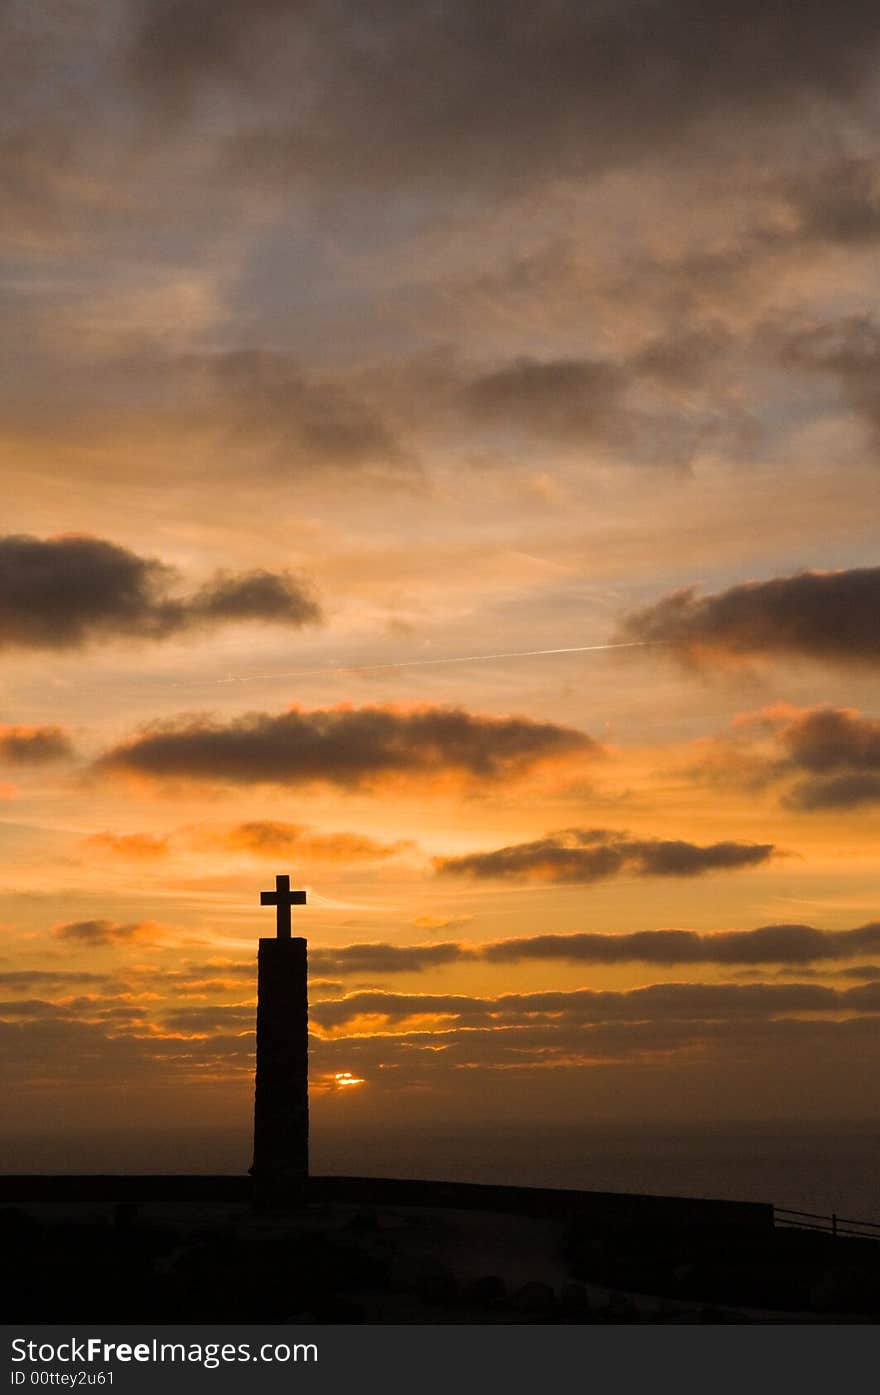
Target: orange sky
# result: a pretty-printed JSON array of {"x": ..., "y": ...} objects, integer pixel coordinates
[{"x": 301, "y": 390}]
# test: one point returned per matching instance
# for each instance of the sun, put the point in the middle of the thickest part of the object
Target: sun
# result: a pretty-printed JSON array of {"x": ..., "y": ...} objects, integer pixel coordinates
[{"x": 344, "y": 1078}]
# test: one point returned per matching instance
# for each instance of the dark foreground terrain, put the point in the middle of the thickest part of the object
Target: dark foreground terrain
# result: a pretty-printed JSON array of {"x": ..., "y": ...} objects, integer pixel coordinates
[{"x": 376, "y": 1261}]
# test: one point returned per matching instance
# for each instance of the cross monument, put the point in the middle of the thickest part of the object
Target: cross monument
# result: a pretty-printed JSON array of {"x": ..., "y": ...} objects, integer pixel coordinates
[{"x": 281, "y": 1099}]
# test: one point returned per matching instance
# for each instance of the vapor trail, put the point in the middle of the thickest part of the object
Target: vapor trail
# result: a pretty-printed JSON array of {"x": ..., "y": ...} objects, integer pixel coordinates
[
  {"x": 481, "y": 658},
  {"x": 424, "y": 663}
]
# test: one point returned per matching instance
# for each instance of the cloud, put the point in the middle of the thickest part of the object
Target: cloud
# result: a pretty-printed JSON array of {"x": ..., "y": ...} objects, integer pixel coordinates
[
  {"x": 350, "y": 747},
  {"x": 839, "y": 202},
  {"x": 270, "y": 596},
  {"x": 448, "y": 96},
  {"x": 829, "y": 739},
  {"x": 34, "y": 745},
  {"x": 272, "y": 838},
  {"x": 869, "y": 972},
  {"x": 435, "y": 923},
  {"x": 205, "y": 1020},
  {"x": 769, "y": 944},
  {"x": 378, "y": 958},
  {"x": 833, "y": 753},
  {"x": 307, "y": 420},
  {"x": 588, "y": 855},
  {"x": 840, "y": 792},
  {"x": 797, "y": 945},
  {"x": 818, "y": 615},
  {"x": 139, "y": 846},
  {"x": 573, "y": 400},
  {"x": 848, "y": 350},
  {"x": 633, "y": 407},
  {"x": 23, "y": 980},
  {"x": 30, "y": 1008},
  {"x": 840, "y": 750},
  {"x": 691, "y": 1002},
  {"x": 107, "y": 932},
  {"x": 61, "y": 593}
]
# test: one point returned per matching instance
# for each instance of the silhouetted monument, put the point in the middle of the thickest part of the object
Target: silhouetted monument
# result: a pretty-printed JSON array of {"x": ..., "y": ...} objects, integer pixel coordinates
[{"x": 281, "y": 1102}]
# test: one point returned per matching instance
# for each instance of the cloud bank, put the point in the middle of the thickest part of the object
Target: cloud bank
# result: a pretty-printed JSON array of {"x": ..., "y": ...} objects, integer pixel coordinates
[
  {"x": 769, "y": 944},
  {"x": 830, "y": 616},
  {"x": 589, "y": 855},
  {"x": 34, "y": 745},
  {"x": 349, "y": 747},
  {"x": 62, "y": 593}
]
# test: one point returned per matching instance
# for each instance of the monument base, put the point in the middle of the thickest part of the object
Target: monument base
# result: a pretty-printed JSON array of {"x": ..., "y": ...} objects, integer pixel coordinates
[{"x": 281, "y": 1103}]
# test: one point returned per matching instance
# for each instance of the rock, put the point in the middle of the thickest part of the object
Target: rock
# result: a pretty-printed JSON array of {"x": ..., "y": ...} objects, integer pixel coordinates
[
  {"x": 574, "y": 1299},
  {"x": 363, "y": 1219},
  {"x": 488, "y": 1290},
  {"x": 17, "y": 1227},
  {"x": 439, "y": 1287},
  {"x": 534, "y": 1297},
  {"x": 620, "y": 1308}
]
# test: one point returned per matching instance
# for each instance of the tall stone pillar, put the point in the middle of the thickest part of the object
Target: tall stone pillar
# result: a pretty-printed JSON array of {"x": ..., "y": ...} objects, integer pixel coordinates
[{"x": 281, "y": 1104}]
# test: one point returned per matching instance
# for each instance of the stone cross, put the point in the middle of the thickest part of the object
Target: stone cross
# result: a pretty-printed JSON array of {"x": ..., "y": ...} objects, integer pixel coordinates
[
  {"x": 282, "y": 898},
  {"x": 281, "y": 1098}
]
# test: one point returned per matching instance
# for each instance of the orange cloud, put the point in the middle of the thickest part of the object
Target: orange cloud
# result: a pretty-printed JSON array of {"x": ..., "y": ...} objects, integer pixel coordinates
[
  {"x": 34, "y": 745},
  {"x": 140, "y": 846},
  {"x": 350, "y": 747},
  {"x": 824, "y": 758},
  {"x": 272, "y": 838},
  {"x": 109, "y": 932}
]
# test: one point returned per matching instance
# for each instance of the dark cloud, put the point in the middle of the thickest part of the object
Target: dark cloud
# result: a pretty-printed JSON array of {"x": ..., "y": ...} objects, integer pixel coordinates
[
  {"x": 588, "y": 855},
  {"x": 769, "y": 944},
  {"x": 839, "y": 202},
  {"x": 820, "y": 615},
  {"x": 63, "y": 1048},
  {"x": 632, "y": 407},
  {"x": 29, "y": 1008},
  {"x": 206, "y": 1020},
  {"x": 349, "y": 747},
  {"x": 840, "y": 792},
  {"x": 23, "y": 980},
  {"x": 686, "y": 1001},
  {"x": 848, "y": 351},
  {"x": 63, "y": 592},
  {"x": 681, "y": 359},
  {"x": 827, "y": 740},
  {"x": 833, "y": 753},
  {"x": 306, "y": 421},
  {"x": 445, "y": 1040},
  {"x": 378, "y": 958},
  {"x": 259, "y": 595},
  {"x": 569, "y": 400},
  {"x": 106, "y": 932},
  {"x": 841, "y": 751},
  {"x": 23, "y": 745},
  {"x": 458, "y": 94}
]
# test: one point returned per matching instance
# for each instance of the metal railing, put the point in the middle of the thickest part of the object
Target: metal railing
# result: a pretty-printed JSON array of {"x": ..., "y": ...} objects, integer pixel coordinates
[{"x": 832, "y": 1225}]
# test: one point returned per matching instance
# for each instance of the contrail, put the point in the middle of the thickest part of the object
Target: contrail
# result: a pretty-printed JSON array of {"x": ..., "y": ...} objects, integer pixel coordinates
[
  {"x": 480, "y": 658},
  {"x": 424, "y": 663}
]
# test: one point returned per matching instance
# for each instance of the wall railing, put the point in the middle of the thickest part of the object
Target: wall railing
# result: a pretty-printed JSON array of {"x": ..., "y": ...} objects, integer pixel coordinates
[{"x": 832, "y": 1225}]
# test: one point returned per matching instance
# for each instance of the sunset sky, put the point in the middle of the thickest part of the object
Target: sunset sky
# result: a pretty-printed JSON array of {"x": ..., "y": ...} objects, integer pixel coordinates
[{"x": 341, "y": 340}]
